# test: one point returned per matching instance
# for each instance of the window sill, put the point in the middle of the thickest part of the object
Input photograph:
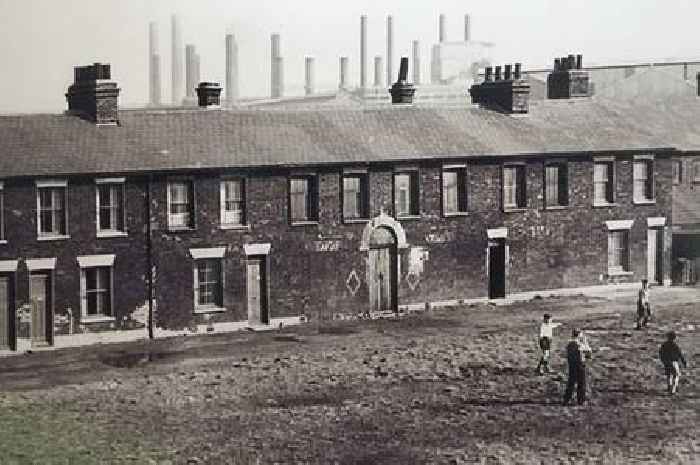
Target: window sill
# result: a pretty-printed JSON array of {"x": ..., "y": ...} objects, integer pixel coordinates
[
  {"x": 514, "y": 210},
  {"x": 103, "y": 234},
  {"x": 235, "y": 227},
  {"x": 557, "y": 207},
  {"x": 620, "y": 273},
  {"x": 355, "y": 220},
  {"x": 57, "y": 237},
  {"x": 304, "y": 223},
  {"x": 97, "y": 319},
  {"x": 409, "y": 218},
  {"x": 644, "y": 202},
  {"x": 180, "y": 229},
  {"x": 603, "y": 205},
  {"x": 455, "y": 214},
  {"x": 3, "y": 242},
  {"x": 204, "y": 310}
]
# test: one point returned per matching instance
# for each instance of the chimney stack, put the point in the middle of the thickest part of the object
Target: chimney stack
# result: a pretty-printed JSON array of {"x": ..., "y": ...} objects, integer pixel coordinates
[
  {"x": 416, "y": 62},
  {"x": 343, "y": 85},
  {"x": 568, "y": 79},
  {"x": 176, "y": 61},
  {"x": 363, "y": 52},
  {"x": 508, "y": 95},
  {"x": 309, "y": 75},
  {"x": 93, "y": 96},
  {"x": 467, "y": 31},
  {"x": 277, "y": 70},
  {"x": 154, "y": 65},
  {"x": 209, "y": 94},
  {"x": 442, "y": 33},
  {"x": 402, "y": 91},
  {"x": 231, "y": 69},
  {"x": 389, "y": 48},
  {"x": 378, "y": 66}
]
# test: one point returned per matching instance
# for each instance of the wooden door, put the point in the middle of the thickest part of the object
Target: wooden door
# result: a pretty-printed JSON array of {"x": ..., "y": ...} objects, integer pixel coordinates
[
  {"x": 5, "y": 318},
  {"x": 257, "y": 291},
  {"x": 655, "y": 254},
  {"x": 497, "y": 269},
  {"x": 40, "y": 306},
  {"x": 382, "y": 279}
]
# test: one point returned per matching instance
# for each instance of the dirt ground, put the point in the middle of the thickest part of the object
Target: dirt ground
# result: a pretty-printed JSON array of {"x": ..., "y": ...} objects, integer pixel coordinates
[{"x": 454, "y": 385}]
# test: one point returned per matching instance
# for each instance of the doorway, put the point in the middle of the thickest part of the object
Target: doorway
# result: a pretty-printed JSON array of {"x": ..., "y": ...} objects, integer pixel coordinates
[
  {"x": 655, "y": 255},
  {"x": 497, "y": 268},
  {"x": 256, "y": 288},
  {"x": 42, "y": 314},
  {"x": 7, "y": 315},
  {"x": 383, "y": 271}
]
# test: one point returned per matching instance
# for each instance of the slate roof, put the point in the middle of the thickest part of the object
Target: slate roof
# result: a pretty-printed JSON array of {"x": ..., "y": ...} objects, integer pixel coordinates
[{"x": 36, "y": 145}]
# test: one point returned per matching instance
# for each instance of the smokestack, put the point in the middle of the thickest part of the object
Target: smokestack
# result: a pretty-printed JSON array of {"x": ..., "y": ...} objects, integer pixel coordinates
[
  {"x": 442, "y": 32},
  {"x": 309, "y": 75},
  {"x": 277, "y": 72},
  {"x": 189, "y": 71},
  {"x": 378, "y": 66},
  {"x": 343, "y": 73},
  {"x": 436, "y": 65},
  {"x": 196, "y": 75},
  {"x": 176, "y": 61},
  {"x": 402, "y": 91},
  {"x": 154, "y": 65},
  {"x": 389, "y": 48},
  {"x": 416, "y": 62},
  {"x": 467, "y": 32},
  {"x": 231, "y": 69},
  {"x": 363, "y": 51}
]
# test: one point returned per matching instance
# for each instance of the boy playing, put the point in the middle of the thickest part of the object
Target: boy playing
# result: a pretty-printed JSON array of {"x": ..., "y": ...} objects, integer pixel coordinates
[
  {"x": 643, "y": 306},
  {"x": 671, "y": 356},
  {"x": 545, "y": 340}
]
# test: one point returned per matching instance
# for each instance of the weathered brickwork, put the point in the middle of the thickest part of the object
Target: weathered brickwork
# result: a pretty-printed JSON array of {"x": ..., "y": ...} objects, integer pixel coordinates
[{"x": 319, "y": 269}]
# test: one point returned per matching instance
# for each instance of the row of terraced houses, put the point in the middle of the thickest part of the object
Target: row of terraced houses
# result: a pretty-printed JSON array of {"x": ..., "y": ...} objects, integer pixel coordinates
[{"x": 185, "y": 219}]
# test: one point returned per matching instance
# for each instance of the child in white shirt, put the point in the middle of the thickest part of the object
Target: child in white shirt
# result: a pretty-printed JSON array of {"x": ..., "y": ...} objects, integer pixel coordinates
[{"x": 545, "y": 341}]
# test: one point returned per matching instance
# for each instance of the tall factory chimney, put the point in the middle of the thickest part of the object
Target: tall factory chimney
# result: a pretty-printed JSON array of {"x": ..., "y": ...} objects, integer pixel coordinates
[
  {"x": 378, "y": 66},
  {"x": 442, "y": 32},
  {"x": 436, "y": 65},
  {"x": 416, "y": 62},
  {"x": 343, "y": 73},
  {"x": 467, "y": 31},
  {"x": 363, "y": 52},
  {"x": 389, "y": 48},
  {"x": 176, "y": 61},
  {"x": 231, "y": 69},
  {"x": 276, "y": 69},
  {"x": 196, "y": 75},
  {"x": 309, "y": 75},
  {"x": 190, "y": 79},
  {"x": 153, "y": 65}
]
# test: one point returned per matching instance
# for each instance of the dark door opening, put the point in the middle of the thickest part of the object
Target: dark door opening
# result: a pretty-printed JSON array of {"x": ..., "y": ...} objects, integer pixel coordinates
[
  {"x": 383, "y": 271},
  {"x": 7, "y": 314},
  {"x": 256, "y": 287},
  {"x": 42, "y": 312},
  {"x": 497, "y": 268}
]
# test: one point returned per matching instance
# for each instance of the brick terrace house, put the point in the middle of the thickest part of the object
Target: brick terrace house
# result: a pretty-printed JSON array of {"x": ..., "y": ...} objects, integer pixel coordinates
[{"x": 208, "y": 216}]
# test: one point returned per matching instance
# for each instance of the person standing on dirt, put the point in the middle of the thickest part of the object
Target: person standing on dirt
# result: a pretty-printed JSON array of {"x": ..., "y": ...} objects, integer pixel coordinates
[
  {"x": 576, "y": 353},
  {"x": 545, "y": 341},
  {"x": 643, "y": 306},
  {"x": 672, "y": 356}
]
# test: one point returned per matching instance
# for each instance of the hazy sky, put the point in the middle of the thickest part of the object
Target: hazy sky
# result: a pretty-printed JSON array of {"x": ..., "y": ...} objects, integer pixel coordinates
[{"x": 41, "y": 40}]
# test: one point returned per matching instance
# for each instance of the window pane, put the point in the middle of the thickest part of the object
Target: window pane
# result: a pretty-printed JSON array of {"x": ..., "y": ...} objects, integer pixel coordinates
[
  {"x": 45, "y": 220},
  {"x": 552, "y": 185},
  {"x": 351, "y": 197},
  {"x": 450, "y": 191},
  {"x": 509, "y": 190},
  {"x": 209, "y": 285},
  {"x": 233, "y": 202},
  {"x": 299, "y": 198},
  {"x": 602, "y": 180},
  {"x": 402, "y": 194}
]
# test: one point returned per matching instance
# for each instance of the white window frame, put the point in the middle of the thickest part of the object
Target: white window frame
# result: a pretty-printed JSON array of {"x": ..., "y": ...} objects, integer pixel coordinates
[
  {"x": 562, "y": 171},
  {"x": 464, "y": 198},
  {"x": 209, "y": 254},
  {"x": 225, "y": 214},
  {"x": 695, "y": 166},
  {"x": 311, "y": 198},
  {"x": 2, "y": 213},
  {"x": 413, "y": 184},
  {"x": 112, "y": 182},
  {"x": 612, "y": 178},
  {"x": 516, "y": 188},
  {"x": 616, "y": 226},
  {"x": 93, "y": 262},
  {"x": 363, "y": 202},
  {"x": 677, "y": 172},
  {"x": 648, "y": 162},
  {"x": 189, "y": 225},
  {"x": 51, "y": 184}
]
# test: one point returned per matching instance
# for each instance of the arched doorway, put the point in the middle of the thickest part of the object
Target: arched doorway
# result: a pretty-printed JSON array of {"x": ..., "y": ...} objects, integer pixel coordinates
[{"x": 382, "y": 270}]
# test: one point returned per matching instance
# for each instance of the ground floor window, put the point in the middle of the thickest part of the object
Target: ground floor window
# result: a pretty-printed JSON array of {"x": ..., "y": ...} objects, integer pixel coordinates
[
  {"x": 96, "y": 283},
  {"x": 208, "y": 284},
  {"x": 618, "y": 251}
]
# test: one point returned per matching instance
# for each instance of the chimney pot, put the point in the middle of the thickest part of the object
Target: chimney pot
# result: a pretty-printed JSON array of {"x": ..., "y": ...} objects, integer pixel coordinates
[
  {"x": 579, "y": 61},
  {"x": 92, "y": 96},
  {"x": 498, "y": 73},
  {"x": 487, "y": 74},
  {"x": 517, "y": 71},
  {"x": 506, "y": 96},
  {"x": 209, "y": 94},
  {"x": 402, "y": 91},
  {"x": 507, "y": 72}
]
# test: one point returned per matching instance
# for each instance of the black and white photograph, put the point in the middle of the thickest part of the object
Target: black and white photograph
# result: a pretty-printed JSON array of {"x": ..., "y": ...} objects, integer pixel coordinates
[{"x": 371, "y": 232}]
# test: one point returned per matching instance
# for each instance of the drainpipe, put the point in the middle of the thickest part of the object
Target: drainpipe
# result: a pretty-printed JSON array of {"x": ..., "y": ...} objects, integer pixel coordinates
[{"x": 149, "y": 255}]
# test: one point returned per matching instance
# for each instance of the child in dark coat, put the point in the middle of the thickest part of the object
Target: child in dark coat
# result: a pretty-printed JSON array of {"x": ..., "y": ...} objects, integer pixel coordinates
[{"x": 672, "y": 356}]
